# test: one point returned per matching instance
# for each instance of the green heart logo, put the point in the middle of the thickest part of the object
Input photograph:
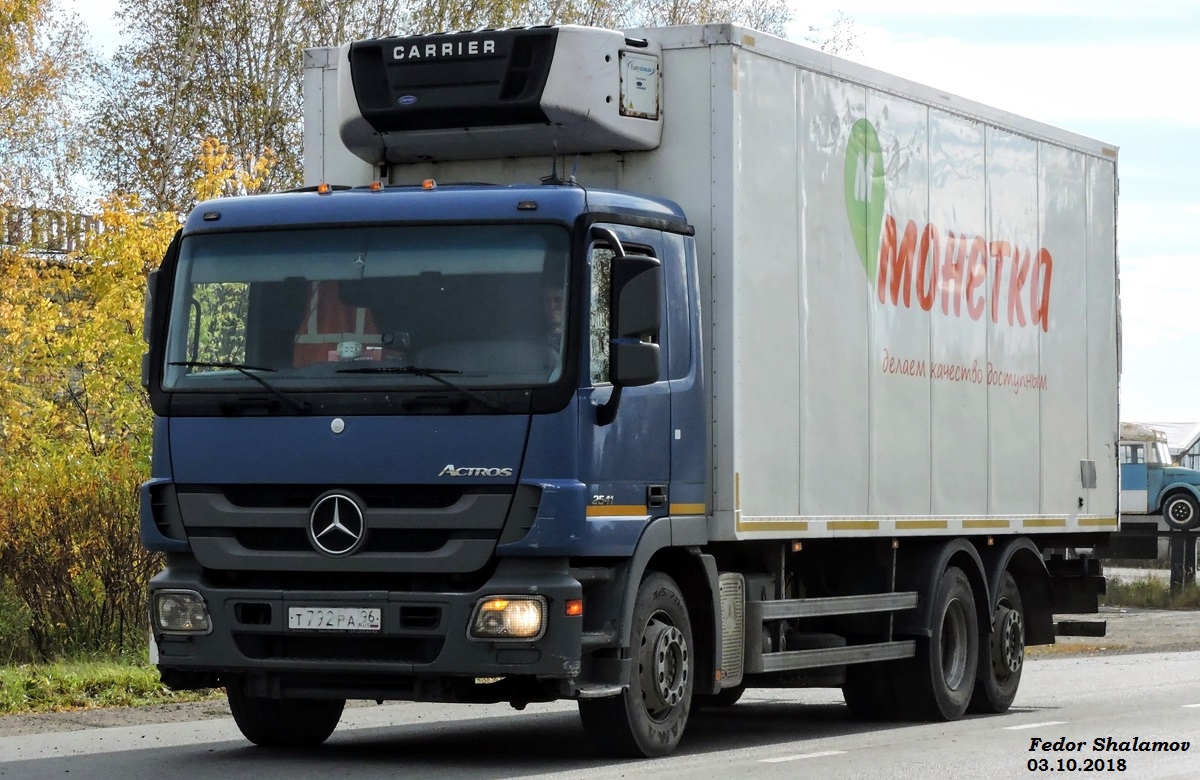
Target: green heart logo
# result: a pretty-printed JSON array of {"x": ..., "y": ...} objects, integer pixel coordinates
[{"x": 865, "y": 192}]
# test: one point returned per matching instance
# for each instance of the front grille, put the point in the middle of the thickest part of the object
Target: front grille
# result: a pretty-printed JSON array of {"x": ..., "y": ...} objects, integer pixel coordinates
[
  {"x": 375, "y": 496},
  {"x": 420, "y": 618},
  {"x": 340, "y": 582},
  {"x": 380, "y": 540},
  {"x": 339, "y": 647}
]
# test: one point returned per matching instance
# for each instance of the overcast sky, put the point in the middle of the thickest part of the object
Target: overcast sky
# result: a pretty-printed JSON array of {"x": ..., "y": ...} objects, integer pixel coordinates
[{"x": 1118, "y": 71}]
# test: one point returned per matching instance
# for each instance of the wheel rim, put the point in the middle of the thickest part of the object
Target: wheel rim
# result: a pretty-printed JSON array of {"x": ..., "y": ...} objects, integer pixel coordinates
[
  {"x": 1010, "y": 636},
  {"x": 664, "y": 666},
  {"x": 954, "y": 645},
  {"x": 1180, "y": 511}
]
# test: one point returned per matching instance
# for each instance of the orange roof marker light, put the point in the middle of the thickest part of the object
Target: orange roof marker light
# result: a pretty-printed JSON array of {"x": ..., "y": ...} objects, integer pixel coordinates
[
  {"x": 429, "y": 184},
  {"x": 376, "y": 186},
  {"x": 324, "y": 189}
]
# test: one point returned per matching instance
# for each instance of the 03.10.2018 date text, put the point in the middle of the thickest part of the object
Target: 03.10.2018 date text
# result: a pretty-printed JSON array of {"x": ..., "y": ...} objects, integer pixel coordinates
[{"x": 1076, "y": 765}]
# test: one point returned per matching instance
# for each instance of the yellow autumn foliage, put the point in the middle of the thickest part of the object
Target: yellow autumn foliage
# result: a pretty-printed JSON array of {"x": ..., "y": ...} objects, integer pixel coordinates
[{"x": 75, "y": 423}]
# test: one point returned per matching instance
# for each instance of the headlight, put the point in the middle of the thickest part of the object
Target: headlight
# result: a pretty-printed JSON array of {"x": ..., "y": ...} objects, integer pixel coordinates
[
  {"x": 181, "y": 612},
  {"x": 509, "y": 617}
]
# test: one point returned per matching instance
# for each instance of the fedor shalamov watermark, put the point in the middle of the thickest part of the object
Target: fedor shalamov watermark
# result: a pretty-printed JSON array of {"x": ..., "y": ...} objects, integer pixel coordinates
[{"x": 1098, "y": 754}]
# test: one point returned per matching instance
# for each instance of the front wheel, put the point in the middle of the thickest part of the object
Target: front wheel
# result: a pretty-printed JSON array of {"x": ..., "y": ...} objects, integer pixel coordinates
[
  {"x": 648, "y": 718},
  {"x": 283, "y": 722},
  {"x": 1181, "y": 512}
]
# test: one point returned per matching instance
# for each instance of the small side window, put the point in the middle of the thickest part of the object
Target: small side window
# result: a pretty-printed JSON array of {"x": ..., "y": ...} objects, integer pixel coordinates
[
  {"x": 601, "y": 266},
  {"x": 1132, "y": 453}
]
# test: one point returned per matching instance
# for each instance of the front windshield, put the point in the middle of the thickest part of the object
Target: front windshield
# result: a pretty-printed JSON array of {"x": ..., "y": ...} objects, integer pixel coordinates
[{"x": 482, "y": 302}]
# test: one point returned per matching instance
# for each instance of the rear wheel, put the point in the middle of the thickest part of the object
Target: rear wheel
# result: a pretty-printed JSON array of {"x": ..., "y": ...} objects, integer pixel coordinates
[
  {"x": 284, "y": 722},
  {"x": 1003, "y": 657},
  {"x": 1181, "y": 512},
  {"x": 648, "y": 719},
  {"x": 943, "y": 671}
]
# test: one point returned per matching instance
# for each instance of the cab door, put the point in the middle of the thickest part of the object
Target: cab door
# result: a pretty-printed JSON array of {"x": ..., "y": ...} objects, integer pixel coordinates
[
  {"x": 626, "y": 456},
  {"x": 1134, "y": 478}
]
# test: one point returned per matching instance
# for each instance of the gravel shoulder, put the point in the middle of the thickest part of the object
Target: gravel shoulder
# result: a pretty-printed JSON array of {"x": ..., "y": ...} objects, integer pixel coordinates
[{"x": 1128, "y": 631}]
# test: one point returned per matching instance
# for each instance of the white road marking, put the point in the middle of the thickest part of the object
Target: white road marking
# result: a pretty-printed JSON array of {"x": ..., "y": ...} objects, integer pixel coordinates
[
  {"x": 1191, "y": 705},
  {"x": 801, "y": 756},
  {"x": 1035, "y": 725}
]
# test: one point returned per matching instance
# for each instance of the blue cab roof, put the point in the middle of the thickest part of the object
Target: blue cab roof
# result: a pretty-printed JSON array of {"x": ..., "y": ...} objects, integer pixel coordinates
[{"x": 448, "y": 203}]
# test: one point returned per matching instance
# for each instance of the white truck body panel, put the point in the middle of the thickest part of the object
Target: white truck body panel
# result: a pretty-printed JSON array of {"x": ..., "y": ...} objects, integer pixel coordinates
[{"x": 969, "y": 400}]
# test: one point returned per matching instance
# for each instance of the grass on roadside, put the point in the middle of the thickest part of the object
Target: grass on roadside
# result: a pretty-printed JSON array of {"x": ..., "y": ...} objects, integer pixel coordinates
[
  {"x": 83, "y": 684},
  {"x": 1150, "y": 594}
]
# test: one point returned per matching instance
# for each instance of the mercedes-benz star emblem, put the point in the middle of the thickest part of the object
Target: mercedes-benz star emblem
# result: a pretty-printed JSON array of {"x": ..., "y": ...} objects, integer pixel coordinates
[{"x": 335, "y": 525}]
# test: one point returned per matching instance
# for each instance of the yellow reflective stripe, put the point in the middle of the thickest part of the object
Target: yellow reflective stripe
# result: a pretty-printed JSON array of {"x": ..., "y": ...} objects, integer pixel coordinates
[
  {"x": 630, "y": 510},
  {"x": 768, "y": 525},
  {"x": 985, "y": 524},
  {"x": 1044, "y": 522},
  {"x": 921, "y": 524},
  {"x": 1098, "y": 522},
  {"x": 853, "y": 525},
  {"x": 617, "y": 510}
]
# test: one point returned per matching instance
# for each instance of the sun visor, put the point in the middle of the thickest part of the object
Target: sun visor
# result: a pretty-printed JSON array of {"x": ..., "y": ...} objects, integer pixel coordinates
[{"x": 499, "y": 93}]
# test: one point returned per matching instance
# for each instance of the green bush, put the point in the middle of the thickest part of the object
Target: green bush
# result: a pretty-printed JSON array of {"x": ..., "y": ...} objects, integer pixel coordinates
[
  {"x": 70, "y": 553},
  {"x": 15, "y": 619},
  {"x": 1150, "y": 594}
]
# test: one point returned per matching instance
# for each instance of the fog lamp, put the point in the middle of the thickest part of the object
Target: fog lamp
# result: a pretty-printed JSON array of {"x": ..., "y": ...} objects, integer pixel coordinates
[
  {"x": 509, "y": 617},
  {"x": 181, "y": 612}
]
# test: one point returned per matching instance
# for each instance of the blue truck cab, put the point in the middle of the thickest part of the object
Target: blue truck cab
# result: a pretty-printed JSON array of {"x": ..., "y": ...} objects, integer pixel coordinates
[
  {"x": 400, "y": 432},
  {"x": 1151, "y": 484}
]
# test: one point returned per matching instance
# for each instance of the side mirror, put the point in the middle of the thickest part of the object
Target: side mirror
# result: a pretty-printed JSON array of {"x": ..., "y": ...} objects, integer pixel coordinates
[
  {"x": 637, "y": 292},
  {"x": 634, "y": 363},
  {"x": 154, "y": 317},
  {"x": 153, "y": 282},
  {"x": 637, "y": 295}
]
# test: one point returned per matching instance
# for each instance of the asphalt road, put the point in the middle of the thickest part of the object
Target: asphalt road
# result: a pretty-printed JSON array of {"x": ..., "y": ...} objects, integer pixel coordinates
[{"x": 806, "y": 733}]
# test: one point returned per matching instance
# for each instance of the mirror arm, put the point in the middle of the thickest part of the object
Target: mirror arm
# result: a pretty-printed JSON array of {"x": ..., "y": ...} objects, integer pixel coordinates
[
  {"x": 607, "y": 411},
  {"x": 610, "y": 238}
]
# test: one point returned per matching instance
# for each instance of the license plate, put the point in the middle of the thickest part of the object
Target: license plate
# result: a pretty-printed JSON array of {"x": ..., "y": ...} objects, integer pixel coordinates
[{"x": 333, "y": 618}]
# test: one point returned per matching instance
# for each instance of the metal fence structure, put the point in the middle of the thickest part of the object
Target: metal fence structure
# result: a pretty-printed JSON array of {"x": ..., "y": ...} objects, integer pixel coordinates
[
  {"x": 1139, "y": 540},
  {"x": 45, "y": 230}
]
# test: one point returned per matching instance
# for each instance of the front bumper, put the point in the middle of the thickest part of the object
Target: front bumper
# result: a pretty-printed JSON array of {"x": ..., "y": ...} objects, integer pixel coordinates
[{"x": 422, "y": 642}]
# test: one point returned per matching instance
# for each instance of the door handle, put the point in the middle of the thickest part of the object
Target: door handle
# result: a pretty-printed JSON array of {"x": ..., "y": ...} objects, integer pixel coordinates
[{"x": 656, "y": 496}]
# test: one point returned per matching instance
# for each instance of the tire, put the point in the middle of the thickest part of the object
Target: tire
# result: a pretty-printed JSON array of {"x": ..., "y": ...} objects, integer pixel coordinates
[
  {"x": 1181, "y": 512},
  {"x": 649, "y": 717},
  {"x": 284, "y": 722},
  {"x": 943, "y": 671},
  {"x": 1002, "y": 657},
  {"x": 870, "y": 692}
]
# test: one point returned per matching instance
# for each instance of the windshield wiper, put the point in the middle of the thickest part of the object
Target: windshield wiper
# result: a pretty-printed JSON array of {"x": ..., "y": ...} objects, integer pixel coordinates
[
  {"x": 429, "y": 373},
  {"x": 248, "y": 371}
]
